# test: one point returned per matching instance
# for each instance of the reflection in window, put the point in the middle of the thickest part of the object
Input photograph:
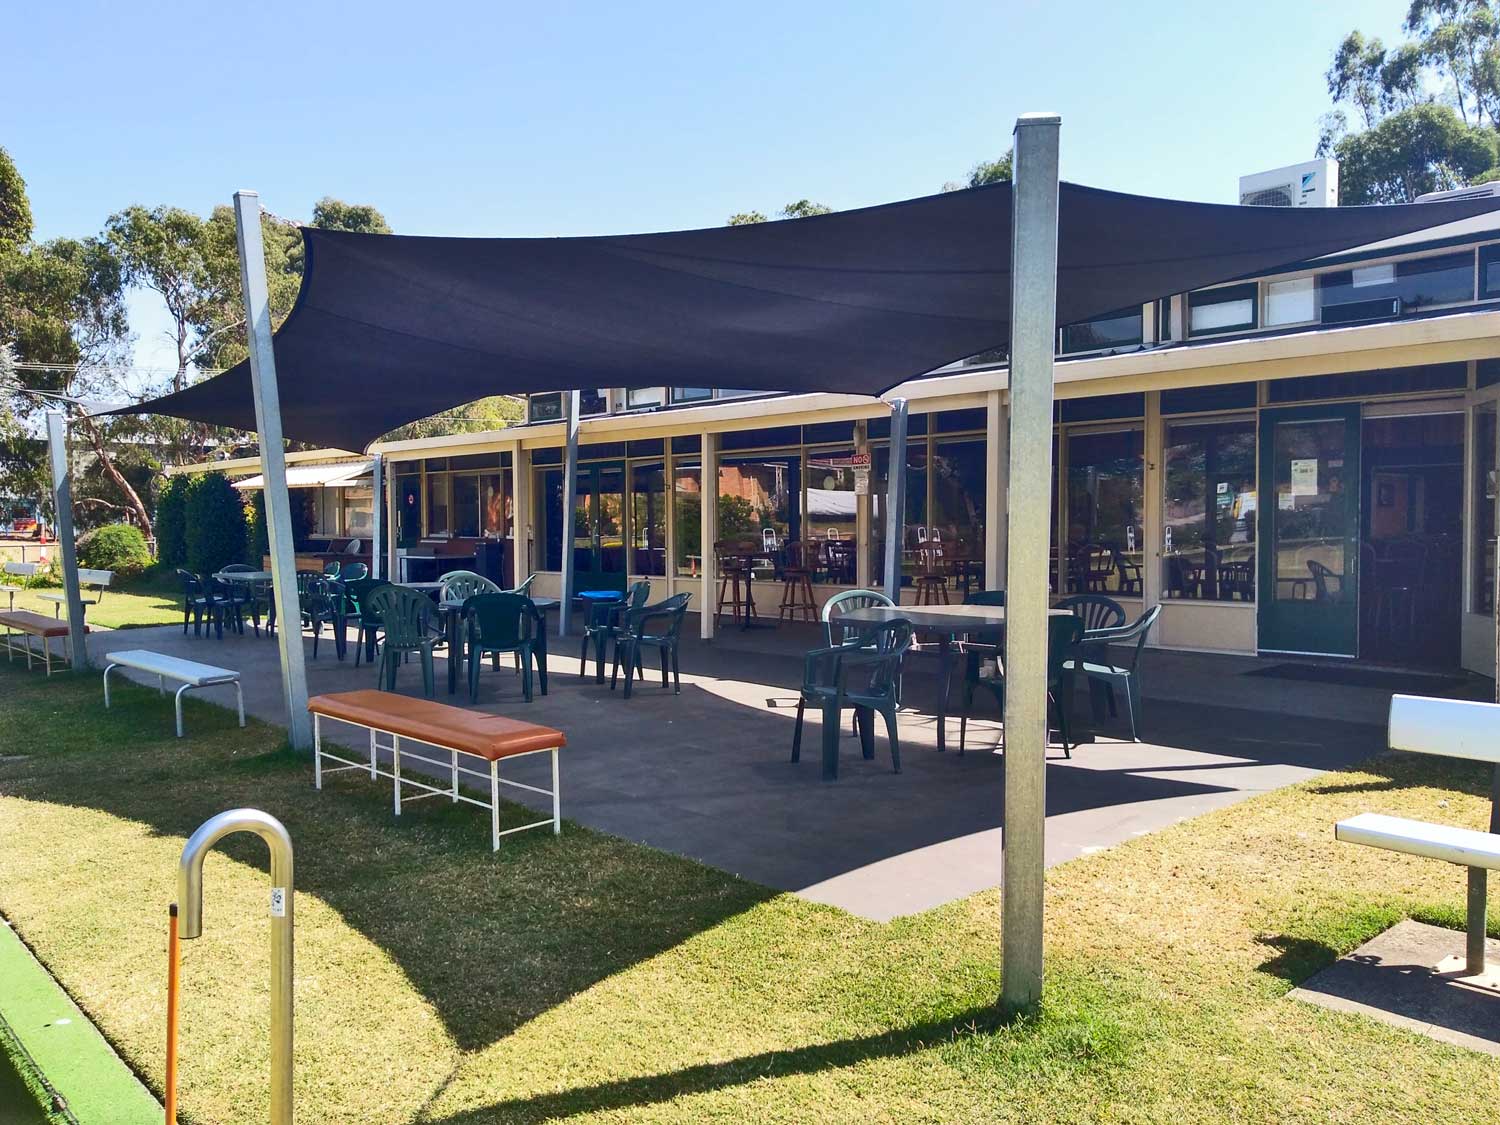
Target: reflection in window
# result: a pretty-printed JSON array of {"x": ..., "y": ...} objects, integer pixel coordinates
[
  {"x": 1485, "y": 481},
  {"x": 1421, "y": 283},
  {"x": 466, "y": 505},
  {"x": 1225, "y": 309},
  {"x": 648, "y": 520},
  {"x": 914, "y": 519},
  {"x": 957, "y": 516},
  {"x": 760, "y": 497},
  {"x": 1121, "y": 329},
  {"x": 831, "y": 507},
  {"x": 494, "y": 489},
  {"x": 1209, "y": 516},
  {"x": 687, "y": 515},
  {"x": 549, "y": 516},
  {"x": 437, "y": 505},
  {"x": 1104, "y": 512}
]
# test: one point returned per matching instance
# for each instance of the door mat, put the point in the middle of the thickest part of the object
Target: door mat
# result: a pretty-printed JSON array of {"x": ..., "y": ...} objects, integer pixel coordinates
[{"x": 1355, "y": 675}]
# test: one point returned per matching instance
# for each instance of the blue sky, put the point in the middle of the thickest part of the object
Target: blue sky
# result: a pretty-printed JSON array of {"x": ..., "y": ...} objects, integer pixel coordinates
[{"x": 590, "y": 118}]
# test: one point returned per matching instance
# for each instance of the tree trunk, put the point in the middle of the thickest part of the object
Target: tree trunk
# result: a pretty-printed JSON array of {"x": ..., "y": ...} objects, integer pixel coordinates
[{"x": 96, "y": 440}]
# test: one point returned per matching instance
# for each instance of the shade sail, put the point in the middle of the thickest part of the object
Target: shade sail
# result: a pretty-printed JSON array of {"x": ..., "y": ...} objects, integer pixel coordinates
[
  {"x": 337, "y": 474},
  {"x": 390, "y": 328}
]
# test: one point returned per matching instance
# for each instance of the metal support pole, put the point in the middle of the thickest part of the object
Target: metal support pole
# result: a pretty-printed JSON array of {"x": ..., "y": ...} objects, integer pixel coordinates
[
  {"x": 377, "y": 518},
  {"x": 997, "y": 443},
  {"x": 1474, "y": 931},
  {"x": 1033, "y": 323},
  {"x": 273, "y": 467},
  {"x": 895, "y": 501},
  {"x": 569, "y": 501},
  {"x": 708, "y": 530},
  {"x": 62, "y": 520},
  {"x": 190, "y": 926}
]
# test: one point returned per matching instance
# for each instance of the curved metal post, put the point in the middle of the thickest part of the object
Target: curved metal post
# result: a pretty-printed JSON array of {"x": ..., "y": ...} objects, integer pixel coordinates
[{"x": 190, "y": 925}]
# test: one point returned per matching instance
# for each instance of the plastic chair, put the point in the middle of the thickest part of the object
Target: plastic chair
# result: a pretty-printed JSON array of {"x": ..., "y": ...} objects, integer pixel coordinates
[
  {"x": 197, "y": 602},
  {"x": 405, "y": 615},
  {"x": 524, "y": 587},
  {"x": 1063, "y": 637},
  {"x": 846, "y": 602},
  {"x": 1095, "y": 610},
  {"x": 321, "y": 601},
  {"x": 331, "y": 568},
  {"x": 1125, "y": 675},
  {"x": 357, "y": 609},
  {"x": 461, "y": 585},
  {"x": 354, "y": 572},
  {"x": 498, "y": 622},
  {"x": 635, "y": 635},
  {"x": 604, "y": 623},
  {"x": 864, "y": 674},
  {"x": 249, "y": 595}
]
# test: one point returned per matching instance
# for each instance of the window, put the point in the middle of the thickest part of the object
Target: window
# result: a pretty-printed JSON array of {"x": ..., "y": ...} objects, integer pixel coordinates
[
  {"x": 1120, "y": 329},
  {"x": 357, "y": 511},
  {"x": 494, "y": 493},
  {"x": 1226, "y": 309},
  {"x": 549, "y": 516},
  {"x": 545, "y": 408},
  {"x": 1420, "y": 283},
  {"x": 437, "y": 505},
  {"x": 1489, "y": 272},
  {"x": 408, "y": 509},
  {"x": 691, "y": 394},
  {"x": 759, "y": 494},
  {"x": 687, "y": 515},
  {"x": 1293, "y": 301},
  {"x": 593, "y": 401},
  {"x": 832, "y": 516},
  {"x": 1104, "y": 511},
  {"x": 639, "y": 397},
  {"x": 466, "y": 505},
  {"x": 957, "y": 509},
  {"x": 914, "y": 519},
  {"x": 1208, "y": 549},
  {"x": 648, "y": 520},
  {"x": 1485, "y": 480}
]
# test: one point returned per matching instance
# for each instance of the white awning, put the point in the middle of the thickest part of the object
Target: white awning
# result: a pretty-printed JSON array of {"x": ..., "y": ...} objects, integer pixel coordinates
[{"x": 334, "y": 474}]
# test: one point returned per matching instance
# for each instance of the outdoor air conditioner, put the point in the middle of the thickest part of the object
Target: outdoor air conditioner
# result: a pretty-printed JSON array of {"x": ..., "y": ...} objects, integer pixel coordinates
[
  {"x": 1478, "y": 191},
  {"x": 1314, "y": 183}
]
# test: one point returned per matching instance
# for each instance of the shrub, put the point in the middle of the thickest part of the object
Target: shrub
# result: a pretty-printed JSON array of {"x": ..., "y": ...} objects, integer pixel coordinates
[
  {"x": 215, "y": 535},
  {"x": 171, "y": 521},
  {"x": 119, "y": 547}
]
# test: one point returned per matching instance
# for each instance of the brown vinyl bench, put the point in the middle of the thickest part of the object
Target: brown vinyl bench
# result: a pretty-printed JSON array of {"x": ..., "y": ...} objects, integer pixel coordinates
[
  {"x": 454, "y": 729},
  {"x": 30, "y": 625}
]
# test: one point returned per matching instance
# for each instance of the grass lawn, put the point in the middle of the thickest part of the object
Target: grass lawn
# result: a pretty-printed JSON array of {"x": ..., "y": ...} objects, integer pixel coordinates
[
  {"x": 118, "y": 609},
  {"x": 585, "y": 977}
]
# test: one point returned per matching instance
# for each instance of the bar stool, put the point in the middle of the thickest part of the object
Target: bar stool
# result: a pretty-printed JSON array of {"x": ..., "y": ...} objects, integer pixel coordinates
[
  {"x": 734, "y": 570},
  {"x": 932, "y": 582},
  {"x": 796, "y": 583}
]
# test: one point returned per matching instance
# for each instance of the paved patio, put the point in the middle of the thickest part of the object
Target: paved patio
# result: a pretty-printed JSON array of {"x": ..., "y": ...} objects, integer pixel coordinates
[{"x": 707, "y": 774}]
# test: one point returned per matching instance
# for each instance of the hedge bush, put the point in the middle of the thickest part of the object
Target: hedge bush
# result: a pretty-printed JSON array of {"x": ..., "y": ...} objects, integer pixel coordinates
[
  {"x": 119, "y": 547},
  {"x": 171, "y": 521},
  {"x": 215, "y": 535}
]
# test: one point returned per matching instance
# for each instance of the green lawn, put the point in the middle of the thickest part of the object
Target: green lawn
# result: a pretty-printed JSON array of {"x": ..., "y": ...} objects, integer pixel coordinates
[
  {"x": 118, "y": 609},
  {"x": 585, "y": 977}
]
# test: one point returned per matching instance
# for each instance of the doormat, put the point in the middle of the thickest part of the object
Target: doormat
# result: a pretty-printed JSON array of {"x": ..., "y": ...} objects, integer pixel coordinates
[{"x": 1355, "y": 675}]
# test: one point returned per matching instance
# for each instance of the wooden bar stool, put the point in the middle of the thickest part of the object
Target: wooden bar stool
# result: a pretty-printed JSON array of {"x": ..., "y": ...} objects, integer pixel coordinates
[
  {"x": 932, "y": 582},
  {"x": 796, "y": 582},
  {"x": 734, "y": 581}
]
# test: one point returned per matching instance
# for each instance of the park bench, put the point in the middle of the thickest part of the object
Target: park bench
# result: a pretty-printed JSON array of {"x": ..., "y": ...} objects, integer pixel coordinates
[
  {"x": 30, "y": 625},
  {"x": 92, "y": 581},
  {"x": 489, "y": 738},
  {"x": 14, "y": 573},
  {"x": 189, "y": 673},
  {"x": 1454, "y": 729}
]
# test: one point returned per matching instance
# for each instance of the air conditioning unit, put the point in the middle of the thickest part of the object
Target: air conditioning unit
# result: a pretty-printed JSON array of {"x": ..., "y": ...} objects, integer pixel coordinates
[
  {"x": 1314, "y": 183},
  {"x": 1478, "y": 191}
]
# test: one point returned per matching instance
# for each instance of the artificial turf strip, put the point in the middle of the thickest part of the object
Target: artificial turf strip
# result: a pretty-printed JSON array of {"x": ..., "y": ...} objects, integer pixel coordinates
[
  {"x": 585, "y": 978},
  {"x": 64, "y": 1046}
]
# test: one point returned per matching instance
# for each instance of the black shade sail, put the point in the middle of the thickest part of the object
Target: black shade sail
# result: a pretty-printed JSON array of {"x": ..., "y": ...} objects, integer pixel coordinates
[{"x": 388, "y": 328}]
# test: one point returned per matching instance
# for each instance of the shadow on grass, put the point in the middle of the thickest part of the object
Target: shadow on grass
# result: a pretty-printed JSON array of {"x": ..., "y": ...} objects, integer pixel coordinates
[
  {"x": 491, "y": 940},
  {"x": 1297, "y": 958}
]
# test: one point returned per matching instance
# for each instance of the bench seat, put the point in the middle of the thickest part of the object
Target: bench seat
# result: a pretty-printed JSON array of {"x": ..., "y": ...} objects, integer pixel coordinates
[
  {"x": 1463, "y": 846},
  {"x": 29, "y": 625},
  {"x": 189, "y": 673},
  {"x": 489, "y": 738}
]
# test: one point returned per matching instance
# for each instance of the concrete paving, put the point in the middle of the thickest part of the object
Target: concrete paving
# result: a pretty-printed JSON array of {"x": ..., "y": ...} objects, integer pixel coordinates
[{"x": 706, "y": 774}]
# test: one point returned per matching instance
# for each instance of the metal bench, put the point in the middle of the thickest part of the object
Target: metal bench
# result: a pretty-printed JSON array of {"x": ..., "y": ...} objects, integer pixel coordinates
[
  {"x": 1453, "y": 729},
  {"x": 454, "y": 729},
  {"x": 96, "y": 581},
  {"x": 189, "y": 673},
  {"x": 29, "y": 625},
  {"x": 16, "y": 570}
]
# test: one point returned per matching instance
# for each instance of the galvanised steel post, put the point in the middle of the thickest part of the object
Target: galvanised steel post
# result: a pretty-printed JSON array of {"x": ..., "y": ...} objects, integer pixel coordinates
[
  {"x": 895, "y": 501},
  {"x": 273, "y": 467},
  {"x": 62, "y": 520},
  {"x": 377, "y": 519},
  {"x": 1033, "y": 321},
  {"x": 569, "y": 501}
]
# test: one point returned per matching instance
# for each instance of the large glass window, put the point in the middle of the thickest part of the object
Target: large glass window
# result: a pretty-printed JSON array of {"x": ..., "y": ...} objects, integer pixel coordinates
[
  {"x": 1208, "y": 549},
  {"x": 957, "y": 512},
  {"x": 1120, "y": 329},
  {"x": 357, "y": 516},
  {"x": 466, "y": 520},
  {"x": 648, "y": 520},
  {"x": 687, "y": 517},
  {"x": 548, "y": 486},
  {"x": 761, "y": 497},
  {"x": 832, "y": 507},
  {"x": 1105, "y": 471},
  {"x": 494, "y": 490},
  {"x": 437, "y": 505},
  {"x": 914, "y": 520},
  {"x": 1418, "y": 284},
  {"x": 1485, "y": 488}
]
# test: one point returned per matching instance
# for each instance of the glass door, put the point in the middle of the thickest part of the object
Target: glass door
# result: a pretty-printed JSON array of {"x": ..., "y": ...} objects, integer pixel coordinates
[
  {"x": 599, "y": 544},
  {"x": 1309, "y": 528}
]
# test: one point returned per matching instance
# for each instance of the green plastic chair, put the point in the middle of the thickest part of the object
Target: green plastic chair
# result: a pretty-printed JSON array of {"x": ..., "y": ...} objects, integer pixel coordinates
[
  {"x": 354, "y": 572},
  {"x": 846, "y": 602},
  {"x": 367, "y": 621},
  {"x": 604, "y": 623},
  {"x": 406, "y": 617},
  {"x": 524, "y": 587},
  {"x": 864, "y": 674},
  {"x": 461, "y": 585},
  {"x": 1063, "y": 637},
  {"x": 635, "y": 635},
  {"x": 1106, "y": 675},
  {"x": 499, "y": 622}
]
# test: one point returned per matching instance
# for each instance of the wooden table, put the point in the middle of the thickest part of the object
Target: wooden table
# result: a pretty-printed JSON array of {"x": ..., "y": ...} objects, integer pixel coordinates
[{"x": 948, "y": 622}]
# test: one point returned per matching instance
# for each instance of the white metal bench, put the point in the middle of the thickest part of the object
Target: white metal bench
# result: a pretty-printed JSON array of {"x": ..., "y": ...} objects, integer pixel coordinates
[
  {"x": 1450, "y": 728},
  {"x": 189, "y": 673},
  {"x": 16, "y": 570},
  {"x": 94, "y": 581}
]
